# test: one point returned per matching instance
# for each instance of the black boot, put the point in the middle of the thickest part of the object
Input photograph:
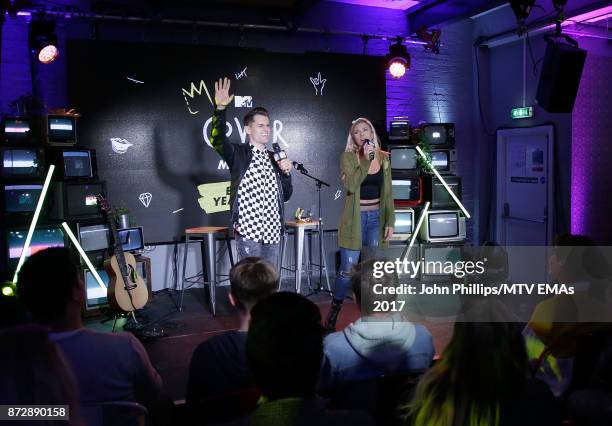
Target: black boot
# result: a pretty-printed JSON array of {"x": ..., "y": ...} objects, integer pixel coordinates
[{"x": 332, "y": 316}]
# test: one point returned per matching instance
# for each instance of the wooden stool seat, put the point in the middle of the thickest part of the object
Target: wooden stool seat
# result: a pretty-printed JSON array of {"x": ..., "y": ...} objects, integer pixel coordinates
[{"x": 205, "y": 229}]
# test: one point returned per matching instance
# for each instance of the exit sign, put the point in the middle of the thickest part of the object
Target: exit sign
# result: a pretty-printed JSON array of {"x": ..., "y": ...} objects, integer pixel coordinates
[{"x": 524, "y": 112}]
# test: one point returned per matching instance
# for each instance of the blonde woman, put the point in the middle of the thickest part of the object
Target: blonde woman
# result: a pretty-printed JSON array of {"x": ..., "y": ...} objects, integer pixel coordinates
[{"x": 368, "y": 216}]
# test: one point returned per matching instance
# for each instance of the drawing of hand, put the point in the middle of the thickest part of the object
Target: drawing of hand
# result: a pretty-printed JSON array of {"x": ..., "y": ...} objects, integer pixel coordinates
[{"x": 318, "y": 83}]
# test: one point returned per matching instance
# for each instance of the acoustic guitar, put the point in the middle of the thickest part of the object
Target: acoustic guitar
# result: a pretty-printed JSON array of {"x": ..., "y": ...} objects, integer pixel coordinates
[{"x": 127, "y": 291}]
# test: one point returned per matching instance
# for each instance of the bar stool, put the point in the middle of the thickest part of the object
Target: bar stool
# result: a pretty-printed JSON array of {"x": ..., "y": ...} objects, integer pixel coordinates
[
  {"x": 209, "y": 259},
  {"x": 299, "y": 229}
]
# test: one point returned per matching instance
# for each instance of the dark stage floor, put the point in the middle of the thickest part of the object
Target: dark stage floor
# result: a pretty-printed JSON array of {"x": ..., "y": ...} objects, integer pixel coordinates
[{"x": 185, "y": 330}]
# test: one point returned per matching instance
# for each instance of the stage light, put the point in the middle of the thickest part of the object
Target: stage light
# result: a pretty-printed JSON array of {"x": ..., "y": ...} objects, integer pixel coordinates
[
  {"x": 8, "y": 289},
  {"x": 43, "y": 41},
  {"x": 398, "y": 60},
  {"x": 521, "y": 9},
  {"x": 41, "y": 200}
]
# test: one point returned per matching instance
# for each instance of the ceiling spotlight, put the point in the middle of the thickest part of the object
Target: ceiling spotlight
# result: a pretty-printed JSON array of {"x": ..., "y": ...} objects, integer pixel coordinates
[
  {"x": 398, "y": 60},
  {"x": 43, "y": 41},
  {"x": 521, "y": 9}
]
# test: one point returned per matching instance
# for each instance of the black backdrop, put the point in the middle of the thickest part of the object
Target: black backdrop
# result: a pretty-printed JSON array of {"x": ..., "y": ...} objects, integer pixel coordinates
[{"x": 134, "y": 92}]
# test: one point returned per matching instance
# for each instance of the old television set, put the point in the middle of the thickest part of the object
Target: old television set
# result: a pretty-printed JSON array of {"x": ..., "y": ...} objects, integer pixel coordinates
[
  {"x": 21, "y": 162},
  {"x": 404, "y": 224},
  {"x": 403, "y": 157},
  {"x": 442, "y": 226},
  {"x": 439, "y": 135},
  {"x": 407, "y": 189},
  {"x": 96, "y": 295},
  {"x": 93, "y": 237},
  {"x": 444, "y": 161},
  {"x": 96, "y": 237},
  {"x": 399, "y": 130},
  {"x": 21, "y": 198},
  {"x": 16, "y": 130},
  {"x": 61, "y": 129},
  {"x": 42, "y": 238},
  {"x": 131, "y": 239},
  {"x": 436, "y": 193},
  {"x": 439, "y": 260},
  {"x": 76, "y": 200},
  {"x": 74, "y": 163}
]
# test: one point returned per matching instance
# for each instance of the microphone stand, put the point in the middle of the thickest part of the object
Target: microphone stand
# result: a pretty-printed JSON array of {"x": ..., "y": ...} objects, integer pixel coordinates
[{"x": 322, "y": 261}]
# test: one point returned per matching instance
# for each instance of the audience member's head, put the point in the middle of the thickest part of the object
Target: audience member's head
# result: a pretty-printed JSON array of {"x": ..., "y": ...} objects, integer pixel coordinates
[
  {"x": 251, "y": 279},
  {"x": 484, "y": 363},
  {"x": 576, "y": 258},
  {"x": 285, "y": 345},
  {"x": 368, "y": 288},
  {"x": 49, "y": 285},
  {"x": 33, "y": 371}
]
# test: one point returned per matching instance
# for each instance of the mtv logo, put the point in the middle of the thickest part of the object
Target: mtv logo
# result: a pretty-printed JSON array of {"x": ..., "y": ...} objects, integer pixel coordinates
[{"x": 243, "y": 102}]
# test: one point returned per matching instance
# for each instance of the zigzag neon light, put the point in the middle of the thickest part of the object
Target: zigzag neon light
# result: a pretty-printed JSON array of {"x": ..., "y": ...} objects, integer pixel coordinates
[{"x": 452, "y": 194}]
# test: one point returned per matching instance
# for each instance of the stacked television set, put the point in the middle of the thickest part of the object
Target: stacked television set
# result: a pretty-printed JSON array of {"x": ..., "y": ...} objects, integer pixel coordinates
[{"x": 443, "y": 230}]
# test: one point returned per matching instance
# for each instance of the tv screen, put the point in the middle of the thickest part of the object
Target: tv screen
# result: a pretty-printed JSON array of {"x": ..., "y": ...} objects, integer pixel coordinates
[
  {"x": 94, "y": 237},
  {"x": 61, "y": 129},
  {"x": 439, "y": 159},
  {"x": 131, "y": 239},
  {"x": 42, "y": 238},
  {"x": 439, "y": 134},
  {"x": 77, "y": 164},
  {"x": 403, "y": 158},
  {"x": 96, "y": 295},
  {"x": 20, "y": 162},
  {"x": 440, "y": 196},
  {"x": 16, "y": 129},
  {"x": 81, "y": 199},
  {"x": 404, "y": 221},
  {"x": 404, "y": 189},
  {"x": 21, "y": 198},
  {"x": 441, "y": 254},
  {"x": 443, "y": 225},
  {"x": 399, "y": 129}
]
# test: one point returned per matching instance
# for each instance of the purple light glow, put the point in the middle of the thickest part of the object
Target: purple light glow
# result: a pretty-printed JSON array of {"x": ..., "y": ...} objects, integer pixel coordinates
[
  {"x": 590, "y": 177},
  {"x": 397, "y": 4}
]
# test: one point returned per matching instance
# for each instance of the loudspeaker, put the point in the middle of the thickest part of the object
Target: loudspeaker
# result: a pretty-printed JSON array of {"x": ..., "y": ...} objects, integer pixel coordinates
[{"x": 560, "y": 77}]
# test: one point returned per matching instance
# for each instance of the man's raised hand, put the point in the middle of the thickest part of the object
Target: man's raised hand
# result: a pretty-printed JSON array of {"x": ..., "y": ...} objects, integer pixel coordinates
[{"x": 222, "y": 96}]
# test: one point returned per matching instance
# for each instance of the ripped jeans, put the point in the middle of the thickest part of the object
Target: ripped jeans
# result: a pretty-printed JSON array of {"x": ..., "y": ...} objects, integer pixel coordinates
[{"x": 370, "y": 236}]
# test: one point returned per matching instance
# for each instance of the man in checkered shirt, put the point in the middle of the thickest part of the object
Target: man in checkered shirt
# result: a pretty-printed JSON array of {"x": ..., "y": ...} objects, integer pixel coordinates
[{"x": 259, "y": 184}]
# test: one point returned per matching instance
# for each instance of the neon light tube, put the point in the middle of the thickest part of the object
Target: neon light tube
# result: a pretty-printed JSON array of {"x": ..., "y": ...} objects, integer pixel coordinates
[
  {"x": 26, "y": 245},
  {"x": 452, "y": 194},
  {"x": 416, "y": 231},
  {"x": 92, "y": 269}
]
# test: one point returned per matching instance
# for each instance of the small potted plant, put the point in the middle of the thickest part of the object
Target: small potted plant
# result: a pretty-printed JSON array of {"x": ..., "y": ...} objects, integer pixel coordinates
[{"x": 122, "y": 215}]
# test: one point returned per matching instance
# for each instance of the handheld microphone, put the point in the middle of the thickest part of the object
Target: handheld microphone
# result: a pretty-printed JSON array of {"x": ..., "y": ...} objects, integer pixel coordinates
[
  {"x": 371, "y": 154},
  {"x": 299, "y": 167},
  {"x": 279, "y": 154}
]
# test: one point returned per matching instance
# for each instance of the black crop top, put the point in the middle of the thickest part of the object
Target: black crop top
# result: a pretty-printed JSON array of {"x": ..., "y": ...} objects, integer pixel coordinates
[{"x": 370, "y": 187}]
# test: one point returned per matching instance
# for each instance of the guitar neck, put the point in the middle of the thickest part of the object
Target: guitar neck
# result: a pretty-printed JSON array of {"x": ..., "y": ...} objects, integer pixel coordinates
[{"x": 118, "y": 249}]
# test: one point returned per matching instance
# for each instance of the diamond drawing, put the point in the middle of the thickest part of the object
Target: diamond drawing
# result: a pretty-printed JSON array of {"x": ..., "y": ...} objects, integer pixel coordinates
[{"x": 145, "y": 198}]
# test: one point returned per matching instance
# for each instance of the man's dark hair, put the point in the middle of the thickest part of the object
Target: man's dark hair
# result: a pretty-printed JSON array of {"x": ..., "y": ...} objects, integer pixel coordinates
[
  {"x": 248, "y": 119},
  {"x": 45, "y": 283},
  {"x": 252, "y": 279},
  {"x": 285, "y": 345},
  {"x": 363, "y": 282}
]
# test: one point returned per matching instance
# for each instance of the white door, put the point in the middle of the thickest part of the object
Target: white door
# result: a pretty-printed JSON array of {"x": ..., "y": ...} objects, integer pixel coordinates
[{"x": 524, "y": 207}]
